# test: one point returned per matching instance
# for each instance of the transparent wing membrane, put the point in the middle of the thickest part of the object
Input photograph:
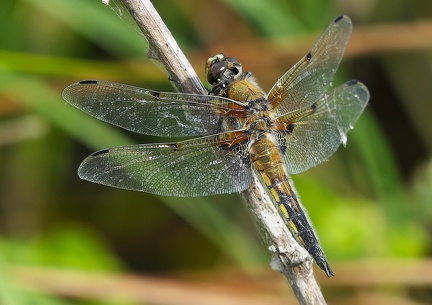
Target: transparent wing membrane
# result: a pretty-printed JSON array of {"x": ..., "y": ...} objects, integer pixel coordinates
[
  {"x": 198, "y": 167},
  {"x": 309, "y": 79},
  {"x": 151, "y": 112},
  {"x": 316, "y": 132}
]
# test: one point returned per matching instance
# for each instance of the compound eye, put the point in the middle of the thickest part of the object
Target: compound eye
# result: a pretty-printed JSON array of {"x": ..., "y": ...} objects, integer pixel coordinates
[
  {"x": 232, "y": 60},
  {"x": 233, "y": 64},
  {"x": 215, "y": 70}
]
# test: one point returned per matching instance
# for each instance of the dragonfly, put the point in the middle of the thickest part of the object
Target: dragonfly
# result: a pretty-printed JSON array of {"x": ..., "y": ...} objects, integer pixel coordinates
[{"x": 236, "y": 130}]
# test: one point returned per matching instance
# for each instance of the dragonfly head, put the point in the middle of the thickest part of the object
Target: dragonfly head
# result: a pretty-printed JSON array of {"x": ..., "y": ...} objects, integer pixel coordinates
[{"x": 221, "y": 70}]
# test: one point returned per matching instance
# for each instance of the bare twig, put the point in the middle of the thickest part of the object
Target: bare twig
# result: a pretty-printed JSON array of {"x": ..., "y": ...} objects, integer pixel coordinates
[
  {"x": 163, "y": 47},
  {"x": 289, "y": 257}
]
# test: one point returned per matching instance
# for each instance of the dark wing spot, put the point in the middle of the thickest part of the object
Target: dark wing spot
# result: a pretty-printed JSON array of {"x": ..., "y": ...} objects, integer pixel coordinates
[
  {"x": 352, "y": 82},
  {"x": 174, "y": 146},
  {"x": 338, "y": 19},
  {"x": 290, "y": 128},
  {"x": 313, "y": 106},
  {"x": 309, "y": 56},
  {"x": 88, "y": 82},
  {"x": 100, "y": 152},
  {"x": 156, "y": 95}
]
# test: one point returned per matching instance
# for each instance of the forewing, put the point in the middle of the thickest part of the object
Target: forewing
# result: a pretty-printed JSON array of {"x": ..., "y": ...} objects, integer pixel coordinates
[
  {"x": 210, "y": 165},
  {"x": 313, "y": 134},
  {"x": 151, "y": 112},
  {"x": 309, "y": 79}
]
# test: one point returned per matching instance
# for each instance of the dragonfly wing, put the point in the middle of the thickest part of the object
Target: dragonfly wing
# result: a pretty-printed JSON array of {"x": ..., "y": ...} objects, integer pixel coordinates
[
  {"x": 309, "y": 79},
  {"x": 151, "y": 112},
  {"x": 310, "y": 136},
  {"x": 209, "y": 165}
]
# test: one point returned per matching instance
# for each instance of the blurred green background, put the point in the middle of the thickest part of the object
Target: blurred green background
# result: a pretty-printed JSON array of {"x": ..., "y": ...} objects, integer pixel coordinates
[{"x": 371, "y": 201}]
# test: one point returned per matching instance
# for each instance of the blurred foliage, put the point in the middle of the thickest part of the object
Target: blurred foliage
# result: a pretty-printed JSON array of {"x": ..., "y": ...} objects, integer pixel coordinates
[{"x": 371, "y": 200}]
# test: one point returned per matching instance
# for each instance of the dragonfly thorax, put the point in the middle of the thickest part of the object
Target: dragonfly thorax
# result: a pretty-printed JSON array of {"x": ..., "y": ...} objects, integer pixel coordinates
[{"x": 259, "y": 125}]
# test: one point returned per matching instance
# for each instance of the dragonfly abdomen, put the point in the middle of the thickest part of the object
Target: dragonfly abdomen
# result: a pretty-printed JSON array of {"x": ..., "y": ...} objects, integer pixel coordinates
[
  {"x": 299, "y": 223},
  {"x": 268, "y": 162}
]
